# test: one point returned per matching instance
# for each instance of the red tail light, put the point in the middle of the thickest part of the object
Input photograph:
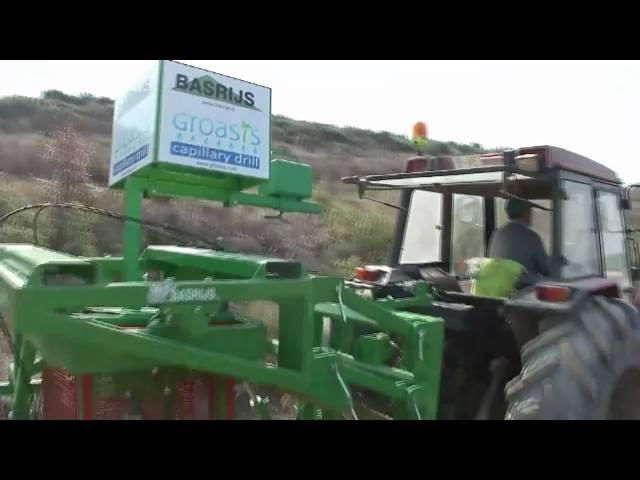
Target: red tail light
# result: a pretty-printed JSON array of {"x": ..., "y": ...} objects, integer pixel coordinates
[
  {"x": 366, "y": 275},
  {"x": 553, "y": 293},
  {"x": 416, "y": 165}
]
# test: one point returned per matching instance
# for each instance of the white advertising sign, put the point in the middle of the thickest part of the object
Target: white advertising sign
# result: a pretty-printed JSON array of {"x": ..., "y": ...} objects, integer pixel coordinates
[
  {"x": 134, "y": 125},
  {"x": 213, "y": 122}
]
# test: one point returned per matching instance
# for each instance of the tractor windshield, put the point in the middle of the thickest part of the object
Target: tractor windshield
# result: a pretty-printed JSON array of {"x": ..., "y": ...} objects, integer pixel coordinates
[
  {"x": 467, "y": 231},
  {"x": 469, "y": 193},
  {"x": 423, "y": 234},
  {"x": 422, "y": 243}
]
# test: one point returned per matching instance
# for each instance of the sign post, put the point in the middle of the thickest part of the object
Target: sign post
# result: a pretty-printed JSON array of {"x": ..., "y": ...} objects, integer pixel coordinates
[
  {"x": 180, "y": 120},
  {"x": 185, "y": 131}
]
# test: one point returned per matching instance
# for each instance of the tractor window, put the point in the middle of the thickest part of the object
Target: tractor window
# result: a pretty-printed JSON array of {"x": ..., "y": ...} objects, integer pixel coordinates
[
  {"x": 467, "y": 233},
  {"x": 579, "y": 241},
  {"x": 540, "y": 220},
  {"x": 422, "y": 234},
  {"x": 613, "y": 237}
]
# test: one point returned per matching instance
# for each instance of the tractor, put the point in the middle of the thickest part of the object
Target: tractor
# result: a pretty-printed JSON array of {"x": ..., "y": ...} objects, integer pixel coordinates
[
  {"x": 567, "y": 347},
  {"x": 154, "y": 334}
]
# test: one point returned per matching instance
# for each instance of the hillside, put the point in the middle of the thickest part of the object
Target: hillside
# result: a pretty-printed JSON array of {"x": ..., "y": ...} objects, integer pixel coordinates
[
  {"x": 333, "y": 152},
  {"x": 350, "y": 232}
]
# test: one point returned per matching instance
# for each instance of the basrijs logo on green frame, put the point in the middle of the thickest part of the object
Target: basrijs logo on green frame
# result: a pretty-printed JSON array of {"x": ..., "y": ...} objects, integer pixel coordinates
[{"x": 208, "y": 87}]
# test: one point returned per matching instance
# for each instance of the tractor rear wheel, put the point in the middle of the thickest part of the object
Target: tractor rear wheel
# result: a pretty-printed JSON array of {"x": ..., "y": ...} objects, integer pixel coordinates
[{"x": 587, "y": 368}]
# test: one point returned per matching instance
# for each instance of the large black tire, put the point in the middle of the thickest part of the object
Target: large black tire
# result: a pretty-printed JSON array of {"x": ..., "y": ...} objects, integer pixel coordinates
[{"x": 586, "y": 368}]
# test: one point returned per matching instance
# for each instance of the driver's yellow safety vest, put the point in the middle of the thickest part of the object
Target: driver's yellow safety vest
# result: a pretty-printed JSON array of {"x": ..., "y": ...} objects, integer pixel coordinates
[{"x": 494, "y": 277}]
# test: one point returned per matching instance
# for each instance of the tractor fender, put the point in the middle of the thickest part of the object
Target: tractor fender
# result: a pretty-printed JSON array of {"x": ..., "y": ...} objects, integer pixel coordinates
[{"x": 529, "y": 316}]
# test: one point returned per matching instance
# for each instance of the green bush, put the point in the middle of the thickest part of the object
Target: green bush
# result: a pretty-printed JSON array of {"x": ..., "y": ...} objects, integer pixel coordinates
[
  {"x": 346, "y": 266},
  {"x": 11, "y": 233},
  {"x": 12, "y": 108},
  {"x": 357, "y": 230},
  {"x": 65, "y": 98},
  {"x": 4, "y": 200}
]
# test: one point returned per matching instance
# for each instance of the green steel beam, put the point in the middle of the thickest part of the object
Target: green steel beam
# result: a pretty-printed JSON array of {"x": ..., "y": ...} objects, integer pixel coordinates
[
  {"x": 6, "y": 387},
  {"x": 320, "y": 380},
  {"x": 132, "y": 230}
]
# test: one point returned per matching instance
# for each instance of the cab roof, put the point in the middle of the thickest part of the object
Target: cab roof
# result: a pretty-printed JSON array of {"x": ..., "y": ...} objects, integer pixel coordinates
[
  {"x": 562, "y": 159},
  {"x": 485, "y": 174},
  {"x": 550, "y": 157}
]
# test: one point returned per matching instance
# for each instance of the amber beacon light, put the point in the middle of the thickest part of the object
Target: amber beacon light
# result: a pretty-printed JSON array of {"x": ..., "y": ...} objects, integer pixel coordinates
[{"x": 419, "y": 135}]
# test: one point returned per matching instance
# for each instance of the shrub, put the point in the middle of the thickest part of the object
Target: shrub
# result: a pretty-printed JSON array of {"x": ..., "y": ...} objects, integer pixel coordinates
[
  {"x": 68, "y": 156},
  {"x": 12, "y": 108},
  {"x": 358, "y": 230}
]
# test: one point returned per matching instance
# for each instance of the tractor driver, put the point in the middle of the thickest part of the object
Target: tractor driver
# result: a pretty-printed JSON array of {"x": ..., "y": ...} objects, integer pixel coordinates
[{"x": 516, "y": 241}]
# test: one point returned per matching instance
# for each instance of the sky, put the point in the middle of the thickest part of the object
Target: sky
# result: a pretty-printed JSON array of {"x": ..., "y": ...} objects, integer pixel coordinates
[{"x": 589, "y": 107}]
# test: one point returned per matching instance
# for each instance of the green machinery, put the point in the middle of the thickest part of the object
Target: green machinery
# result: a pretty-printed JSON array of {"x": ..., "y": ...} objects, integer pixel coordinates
[{"x": 151, "y": 334}]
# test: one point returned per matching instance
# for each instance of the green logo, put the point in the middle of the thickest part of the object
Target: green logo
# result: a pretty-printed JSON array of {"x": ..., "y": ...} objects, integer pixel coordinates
[{"x": 208, "y": 87}]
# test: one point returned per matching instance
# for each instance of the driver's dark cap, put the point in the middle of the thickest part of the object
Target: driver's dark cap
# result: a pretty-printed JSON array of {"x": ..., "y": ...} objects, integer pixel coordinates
[{"x": 515, "y": 208}]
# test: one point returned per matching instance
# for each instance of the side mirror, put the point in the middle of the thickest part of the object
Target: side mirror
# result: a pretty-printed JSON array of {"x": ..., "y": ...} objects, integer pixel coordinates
[
  {"x": 627, "y": 197},
  {"x": 625, "y": 204},
  {"x": 635, "y": 274}
]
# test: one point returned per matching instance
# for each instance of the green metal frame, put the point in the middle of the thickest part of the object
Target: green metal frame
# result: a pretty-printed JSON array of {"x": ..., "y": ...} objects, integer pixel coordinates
[
  {"x": 71, "y": 313},
  {"x": 65, "y": 326},
  {"x": 202, "y": 188}
]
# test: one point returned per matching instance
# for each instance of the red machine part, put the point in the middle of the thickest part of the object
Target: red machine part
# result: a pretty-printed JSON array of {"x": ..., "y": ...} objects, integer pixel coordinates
[
  {"x": 59, "y": 392},
  {"x": 365, "y": 274},
  {"x": 196, "y": 398},
  {"x": 199, "y": 396}
]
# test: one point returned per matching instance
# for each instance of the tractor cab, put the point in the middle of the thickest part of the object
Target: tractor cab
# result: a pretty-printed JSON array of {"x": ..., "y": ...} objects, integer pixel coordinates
[{"x": 450, "y": 207}]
